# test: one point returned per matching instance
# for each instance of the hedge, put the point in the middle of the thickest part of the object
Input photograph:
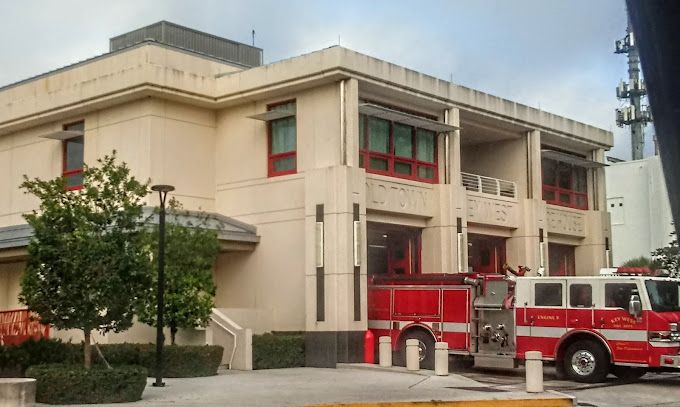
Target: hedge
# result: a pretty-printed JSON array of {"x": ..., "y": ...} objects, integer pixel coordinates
[
  {"x": 182, "y": 361},
  {"x": 14, "y": 360},
  {"x": 70, "y": 384},
  {"x": 278, "y": 350},
  {"x": 179, "y": 360}
]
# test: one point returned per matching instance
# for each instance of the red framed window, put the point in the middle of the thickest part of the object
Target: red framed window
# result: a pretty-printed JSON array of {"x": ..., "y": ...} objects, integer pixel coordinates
[
  {"x": 397, "y": 150},
  {"x": 282, "y": 141},
  {"x": 73, "y": 157},
  {"x": 564, "y": 184},
  {"x": 562, "y": 260}
]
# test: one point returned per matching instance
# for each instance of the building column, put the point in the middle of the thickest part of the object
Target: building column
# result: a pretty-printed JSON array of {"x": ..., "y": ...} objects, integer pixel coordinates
[
  {"x": 524, "y": 247},
  {"x": 440, "y": 237},
  {"x": 349, "y": 89},
  {"x": 534, "y": 170},
  {"x": 335, "y": 289}
]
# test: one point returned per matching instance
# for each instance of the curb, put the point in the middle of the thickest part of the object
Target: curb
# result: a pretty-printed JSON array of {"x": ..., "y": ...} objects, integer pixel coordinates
[{"x": 547, "y": 399}]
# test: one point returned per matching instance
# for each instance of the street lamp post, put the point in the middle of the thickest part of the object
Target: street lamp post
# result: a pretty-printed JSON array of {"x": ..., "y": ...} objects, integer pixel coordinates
[{"x": 162, "y": 194}]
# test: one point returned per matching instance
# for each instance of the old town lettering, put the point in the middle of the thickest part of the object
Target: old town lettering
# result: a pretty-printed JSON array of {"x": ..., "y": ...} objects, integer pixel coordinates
[{"x": 397, "y": 197}]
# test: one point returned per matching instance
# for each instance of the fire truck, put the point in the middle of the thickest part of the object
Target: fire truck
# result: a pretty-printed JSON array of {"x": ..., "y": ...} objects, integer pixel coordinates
[{"x": 625, "y": 323}]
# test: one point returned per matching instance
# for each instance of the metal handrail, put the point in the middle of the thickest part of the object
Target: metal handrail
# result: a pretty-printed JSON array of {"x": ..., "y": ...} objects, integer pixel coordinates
[{"x": 489, "y": 185}]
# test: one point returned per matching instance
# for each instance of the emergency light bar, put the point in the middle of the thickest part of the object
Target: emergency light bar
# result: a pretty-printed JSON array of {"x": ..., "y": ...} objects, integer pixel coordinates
[{"x": 626, "y": 271}]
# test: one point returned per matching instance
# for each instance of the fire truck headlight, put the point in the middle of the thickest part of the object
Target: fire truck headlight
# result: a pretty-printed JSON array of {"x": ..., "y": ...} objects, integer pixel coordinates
[{"x": 673, "y": 327}]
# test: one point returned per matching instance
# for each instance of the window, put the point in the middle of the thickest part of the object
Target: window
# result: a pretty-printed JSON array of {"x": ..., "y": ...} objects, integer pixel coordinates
[
  {"x": 282, "y": 142},
  {"x": 72, "y": 167},
  {"x": 548, "y": 294},
  {"x": 397, "y": 150},
  {"x": 618, "y": 294},
  {"x": 564, "y": 184},
  {"x": 561, "y": 260},
  {"x": 580, "y": 296}
]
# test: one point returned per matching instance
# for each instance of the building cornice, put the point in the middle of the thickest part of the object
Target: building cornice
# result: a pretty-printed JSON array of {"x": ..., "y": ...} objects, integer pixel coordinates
[{"x": 298, "y": 73}]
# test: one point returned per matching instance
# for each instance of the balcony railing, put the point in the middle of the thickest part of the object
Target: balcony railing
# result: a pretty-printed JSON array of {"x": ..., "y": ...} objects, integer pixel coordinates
[{"x": 488, "y": 185}]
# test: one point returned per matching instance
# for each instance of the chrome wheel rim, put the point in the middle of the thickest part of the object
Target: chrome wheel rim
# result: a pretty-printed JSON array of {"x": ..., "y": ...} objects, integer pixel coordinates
[{"x": 583, "y": 363}]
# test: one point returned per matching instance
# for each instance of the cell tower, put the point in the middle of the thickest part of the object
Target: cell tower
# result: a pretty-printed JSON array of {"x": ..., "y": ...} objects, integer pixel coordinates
[{"x": 635, "y": 114}]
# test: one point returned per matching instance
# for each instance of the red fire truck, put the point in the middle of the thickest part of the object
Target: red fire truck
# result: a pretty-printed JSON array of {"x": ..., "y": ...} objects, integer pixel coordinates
[{"x": 589, "y": 326}]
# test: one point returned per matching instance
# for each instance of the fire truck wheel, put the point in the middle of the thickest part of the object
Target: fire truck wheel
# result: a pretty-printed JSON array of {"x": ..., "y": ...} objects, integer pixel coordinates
[
  {"x": 586, "y": 361},
  {"x": 425, "y": 345},
  {"x": 628, "y": 372}
]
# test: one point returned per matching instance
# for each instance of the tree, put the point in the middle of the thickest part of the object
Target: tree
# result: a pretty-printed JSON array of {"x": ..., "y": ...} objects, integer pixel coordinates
[
  {"x": 190, "y": 254},
  {"x": 669, "y": 257},
  {"x": 87, "y": 261},
  {"x": 641, "y": 261}
]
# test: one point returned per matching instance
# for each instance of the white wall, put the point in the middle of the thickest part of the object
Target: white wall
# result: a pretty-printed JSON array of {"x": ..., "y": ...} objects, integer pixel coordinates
[{"x": 640, "y": 216}]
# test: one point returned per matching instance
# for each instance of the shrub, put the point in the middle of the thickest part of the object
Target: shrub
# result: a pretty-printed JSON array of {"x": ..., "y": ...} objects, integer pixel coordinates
[
  {"x": 179, "y": 360},
  {"x": 183, "y": 361},
  {"x": 69, "y": 384},
  {"x": 278, "y": 350},
  {"x": 14, "y": 360}
]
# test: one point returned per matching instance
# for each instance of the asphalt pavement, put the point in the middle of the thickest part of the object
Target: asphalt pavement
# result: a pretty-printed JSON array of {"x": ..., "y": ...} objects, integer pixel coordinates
[{"x": 368, "y": 383}]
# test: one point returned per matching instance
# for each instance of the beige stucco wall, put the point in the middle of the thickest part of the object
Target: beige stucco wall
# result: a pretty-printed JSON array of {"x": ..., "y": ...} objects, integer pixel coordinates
[
  {"x": 10, "y": 278},
  {"x": 503, "y": 159}
]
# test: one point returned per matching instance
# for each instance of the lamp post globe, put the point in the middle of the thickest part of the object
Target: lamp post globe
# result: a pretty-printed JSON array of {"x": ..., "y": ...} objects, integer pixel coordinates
[{"x": 160, "y": 339}]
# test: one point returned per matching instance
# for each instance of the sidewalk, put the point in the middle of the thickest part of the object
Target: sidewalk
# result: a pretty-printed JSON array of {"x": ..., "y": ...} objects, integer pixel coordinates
[{"x": 310, "y": 386}]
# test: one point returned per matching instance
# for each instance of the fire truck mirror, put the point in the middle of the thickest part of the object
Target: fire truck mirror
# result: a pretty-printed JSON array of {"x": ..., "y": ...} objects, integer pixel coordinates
[{"x": 635, "y": 306}]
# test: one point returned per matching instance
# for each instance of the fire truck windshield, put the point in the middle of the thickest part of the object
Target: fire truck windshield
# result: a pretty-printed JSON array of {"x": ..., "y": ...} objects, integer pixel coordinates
[{"x": 664, "y": 296}]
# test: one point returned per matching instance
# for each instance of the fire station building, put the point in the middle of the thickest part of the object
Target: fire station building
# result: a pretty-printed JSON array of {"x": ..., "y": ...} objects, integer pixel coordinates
[{"x": 321, "y": 170}]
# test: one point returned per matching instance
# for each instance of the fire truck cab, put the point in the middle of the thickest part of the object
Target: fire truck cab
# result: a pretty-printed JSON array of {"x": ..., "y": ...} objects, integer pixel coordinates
[{"x": 588, "y": 326}]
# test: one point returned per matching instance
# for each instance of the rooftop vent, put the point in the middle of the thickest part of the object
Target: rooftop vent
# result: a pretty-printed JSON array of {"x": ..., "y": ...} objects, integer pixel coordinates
[{"x": 189, "y": 39}]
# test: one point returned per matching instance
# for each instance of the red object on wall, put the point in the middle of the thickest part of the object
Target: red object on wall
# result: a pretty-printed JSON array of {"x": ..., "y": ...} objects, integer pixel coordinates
[
  {"x": 20, "y": 325},
  {"x": 369, "y": 347}
]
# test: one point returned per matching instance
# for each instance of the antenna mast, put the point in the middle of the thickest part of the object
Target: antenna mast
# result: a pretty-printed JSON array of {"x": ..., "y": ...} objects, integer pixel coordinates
[{"x": 635, "y": 114}]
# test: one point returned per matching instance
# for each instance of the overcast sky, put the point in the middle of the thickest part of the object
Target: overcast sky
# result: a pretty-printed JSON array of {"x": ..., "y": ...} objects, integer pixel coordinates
[{"x": 556, "y": 55}]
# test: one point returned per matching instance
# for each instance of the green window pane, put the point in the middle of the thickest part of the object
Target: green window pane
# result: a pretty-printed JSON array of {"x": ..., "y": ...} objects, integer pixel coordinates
[
  {"x": 283, "y": 135},
  {"x": 75, "y": 180},
  {"x": 581, "y": 179},
  {"x": 379, "y": 135},
  {"x": 74, "y": 153},
  {"x": 284, "y": 164},
  {"x": 402, "y": 168},
  {"x": 361, "y": 161},
  {"x": 362, "y": 132},
  {"x": 403, "y": 141},
  {"x": 581, "y": 201},
  {"x": 564, "y": 172},
  {"x": 425, "y": 172},
  {"x": 548, "y": 195},
  {"x": 425, "y": 146},
  {"x": 378, "y": 164},
  {"x": 549, "y": 172}
]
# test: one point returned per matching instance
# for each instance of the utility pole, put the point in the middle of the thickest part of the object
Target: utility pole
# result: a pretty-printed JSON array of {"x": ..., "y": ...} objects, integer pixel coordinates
[{"x": 635, "y": 114}]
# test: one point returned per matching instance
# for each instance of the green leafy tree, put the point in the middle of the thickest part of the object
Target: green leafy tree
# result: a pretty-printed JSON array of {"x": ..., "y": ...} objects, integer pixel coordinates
[
  {"x": 641, "y": 261},
  {"x": 190, "y": 253},
  {"x": 87, "y": 261},
  {"x": 669, "y": 257}
]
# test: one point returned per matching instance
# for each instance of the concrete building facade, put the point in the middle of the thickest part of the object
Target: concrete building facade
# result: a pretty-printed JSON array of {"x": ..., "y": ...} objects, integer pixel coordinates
[
  {"x": 326, "y": 168},
  {"x": 637, "y": 200}
]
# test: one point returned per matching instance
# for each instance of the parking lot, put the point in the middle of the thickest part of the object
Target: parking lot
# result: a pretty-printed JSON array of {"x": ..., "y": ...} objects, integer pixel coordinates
[
  {"x": 364, "y": 383},
  {"x": 651, "y": 390}
]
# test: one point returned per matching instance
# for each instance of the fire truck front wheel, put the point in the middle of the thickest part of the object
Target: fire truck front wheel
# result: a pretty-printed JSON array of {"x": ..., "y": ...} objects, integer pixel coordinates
[
  {"x": 586, "y": 361},
  {"x": 425, "y": 347}
]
